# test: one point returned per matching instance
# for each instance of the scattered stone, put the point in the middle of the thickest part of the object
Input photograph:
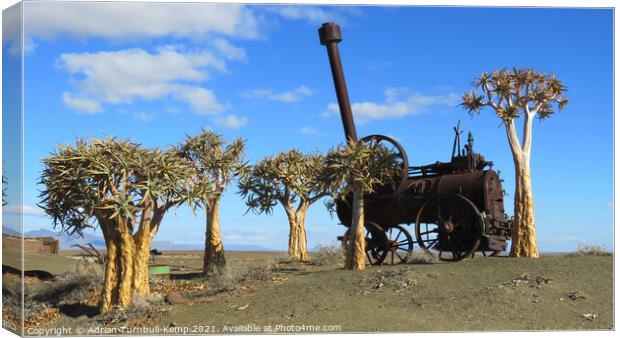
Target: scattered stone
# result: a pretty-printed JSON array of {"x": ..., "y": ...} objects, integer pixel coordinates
[
  {"x": 574, "y": 295},
  {"x": 590, "y": 316},
  {"x": 533, "y": 282},
  {"x": 383, "y": 280},
  {"x": 279, "y": 280},
  {"x": 174, "y": 298}
]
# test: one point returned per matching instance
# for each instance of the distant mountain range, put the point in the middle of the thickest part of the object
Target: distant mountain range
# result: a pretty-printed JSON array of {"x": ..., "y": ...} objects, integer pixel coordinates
[
  {"x": 10, "y": 231},
  {"x": 66, "y": 241}
]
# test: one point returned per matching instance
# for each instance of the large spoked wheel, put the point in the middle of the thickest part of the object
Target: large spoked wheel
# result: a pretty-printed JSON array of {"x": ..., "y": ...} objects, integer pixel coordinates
[
  {"x": 449, "y": 226},
  {"x": 376, "y": 243},
  {"x": 399, "y": 182},
  {"x": 400, "y": 245}
]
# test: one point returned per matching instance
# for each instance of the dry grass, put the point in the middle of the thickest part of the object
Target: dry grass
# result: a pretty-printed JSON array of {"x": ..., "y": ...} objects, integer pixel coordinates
[
  {"x": 381, "y": 280},
  {"x": 327, "y": 255},
  {"x": 233, "y": 278},
  {"x": 143, "y": 309},
  {"x": 284, "y": 260},
  {"x": 42, "y": 299},
  {"x": 11, "y": 298},
  {"x": 419, "y": 257},
  {"x": 79, "y": 286}
]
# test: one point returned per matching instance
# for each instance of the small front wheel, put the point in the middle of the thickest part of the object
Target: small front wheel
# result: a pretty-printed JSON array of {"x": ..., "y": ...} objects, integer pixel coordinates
[{"x": 376, "y": 243}]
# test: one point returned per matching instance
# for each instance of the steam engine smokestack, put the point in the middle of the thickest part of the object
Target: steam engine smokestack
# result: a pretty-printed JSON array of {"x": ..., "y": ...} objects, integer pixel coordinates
[{"x": 330, "y": 36}]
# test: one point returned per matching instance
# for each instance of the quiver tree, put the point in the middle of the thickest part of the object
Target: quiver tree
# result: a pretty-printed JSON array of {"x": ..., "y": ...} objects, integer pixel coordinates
[
  {"x": 216, "y": 165},
  {"x": 359, "y": 168},
  {"x": 126, "y": 190},
  {"x": 511, "y": 95},
  {"x": 293, "y": 179}
]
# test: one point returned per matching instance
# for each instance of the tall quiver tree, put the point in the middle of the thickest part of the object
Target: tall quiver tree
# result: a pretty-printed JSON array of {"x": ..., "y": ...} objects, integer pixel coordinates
[
  {"x": 511, "y": 95},
  {"x": 216, "y": 164},
  {"x": 126, "y": 190},
  {"x": 296, "y": 181},
  {"x": 358, "y": 168}
]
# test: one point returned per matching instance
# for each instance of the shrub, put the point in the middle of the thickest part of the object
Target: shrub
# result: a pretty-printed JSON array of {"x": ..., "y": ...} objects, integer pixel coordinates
[
  {"x": 285, "y": 260},
  {"x": 418, "y": 257},
  {"x": 11, "y": 295},
  {"x": 589, "y": 250},
  {"x": 76, "y": 286},
  {"x": 141, "y": 308},
  {"x": 232, "y": 278},
  {"x": 326, "y": 255}
]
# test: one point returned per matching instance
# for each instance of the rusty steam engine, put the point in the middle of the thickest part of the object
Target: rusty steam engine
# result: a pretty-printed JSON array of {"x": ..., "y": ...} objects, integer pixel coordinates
[{"x": 457, "y": 207}]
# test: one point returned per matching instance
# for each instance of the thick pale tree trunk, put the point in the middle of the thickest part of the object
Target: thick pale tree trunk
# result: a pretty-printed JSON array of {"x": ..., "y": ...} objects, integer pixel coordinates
[
  {"x": 142, "y": 240},
  {"x": 294, "y": 249},
  {"x": 356, "y": 251},
  {"x": 302, "y": 241},
  {"x": 127, "y": 252},
  {"x": 127, "y": 258},
  {"x": 214, "y": 260},
  {"x": 524, "y": 228},
  {"x": 293, "y": 237},
  {"x": 297, "y": 242},
  {"x": 109, "y": 293}
]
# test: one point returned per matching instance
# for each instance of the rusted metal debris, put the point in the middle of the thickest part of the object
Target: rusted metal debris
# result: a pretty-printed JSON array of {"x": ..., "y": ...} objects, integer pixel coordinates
[{"x": 457, "y": 207}]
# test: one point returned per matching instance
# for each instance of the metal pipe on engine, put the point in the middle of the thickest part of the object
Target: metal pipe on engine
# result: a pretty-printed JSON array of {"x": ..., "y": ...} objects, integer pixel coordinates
[{"x": 330, "y": 36}]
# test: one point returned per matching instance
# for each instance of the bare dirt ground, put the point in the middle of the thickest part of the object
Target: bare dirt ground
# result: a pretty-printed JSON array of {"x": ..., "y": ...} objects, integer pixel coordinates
[{"x": 264, "y": 291}]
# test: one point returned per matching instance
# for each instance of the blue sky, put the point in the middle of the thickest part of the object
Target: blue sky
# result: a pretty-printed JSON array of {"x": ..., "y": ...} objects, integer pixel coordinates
[{"x": 155, "y": 72}]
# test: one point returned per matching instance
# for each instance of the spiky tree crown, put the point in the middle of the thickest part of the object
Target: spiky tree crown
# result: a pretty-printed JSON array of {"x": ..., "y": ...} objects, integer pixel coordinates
[
  {"x": 284, "y": 178},
  {"x": 362, "y": 164},
  {"x": 216, "y": 162},
  {"x": 110, "y": 178},
  {"x": 512, "y": 93}
]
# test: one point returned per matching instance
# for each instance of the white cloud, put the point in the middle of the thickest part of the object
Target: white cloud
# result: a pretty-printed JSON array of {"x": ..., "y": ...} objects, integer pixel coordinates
[
  {"x": 202, "y": 100},
  {"x": 309, "y": 13},
  {"x": 309, "y": 131},
  {"x": 120, "y": 77},
  {"x": 81, "y": 105},
  {"x": 143, "y": 117},
  {"x": 23, "y": 209},
  {"x": 398, "y": 103},
  {"x": 229, "y": 51},
  {"x": 231, "y": 121},
  {"x": 133, "y": 20},
  {"x": 379, "y": 65},
  {"x": 289, "y": 96},
  {"x": 313, "y": 14}
]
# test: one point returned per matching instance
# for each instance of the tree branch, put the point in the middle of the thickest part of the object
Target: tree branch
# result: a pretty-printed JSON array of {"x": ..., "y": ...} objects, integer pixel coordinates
[
  {"x": 317, "y": 197},
  {"x": 513, "y": 140},
  {"x": 527, "y": 131}
]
